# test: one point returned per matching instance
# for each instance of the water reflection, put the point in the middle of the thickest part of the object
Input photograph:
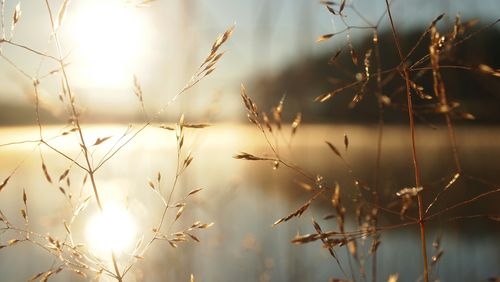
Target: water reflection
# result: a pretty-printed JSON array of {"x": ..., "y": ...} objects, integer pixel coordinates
[{"x": 244, "y": 198}]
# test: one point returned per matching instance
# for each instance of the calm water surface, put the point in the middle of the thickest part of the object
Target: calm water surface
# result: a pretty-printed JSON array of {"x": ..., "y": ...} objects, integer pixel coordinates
[{"x": 244, "y": 198}]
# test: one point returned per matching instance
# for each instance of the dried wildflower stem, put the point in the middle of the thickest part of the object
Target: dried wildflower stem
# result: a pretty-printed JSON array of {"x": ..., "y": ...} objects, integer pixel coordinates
[
  {"x": 58, "y": 251},
  {"x": 463, "y": 203},
  {"x": 476, "y": 32},
  {"x": 457, "y": 67},
  {"x": 90, "y": 170},
  {"x": 19, "y": 143},
  {"x": 174, "y": 184},
  {"x": 167, "y": 203},
  {"x": 37, "y": 108},
  {"x": 354, "y": 234},
  {"x": 440, "y": 91},
  {"x": 115, "y": 266},
  {"x": 451, "y": 135},
  {"x": 414, "y": 150},
  {"x": 393, "y": 212},
  {"x": 378, "y": 161},
  {"x": 28, "y": 49},
  {"x": 110, "y": 154},
  {"x": 474, "y": 216},
  {"x": 64, "y": 155}
]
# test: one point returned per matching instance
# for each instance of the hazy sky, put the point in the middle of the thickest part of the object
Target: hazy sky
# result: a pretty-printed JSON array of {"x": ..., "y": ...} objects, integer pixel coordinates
[{"x": 163, "y": 44}]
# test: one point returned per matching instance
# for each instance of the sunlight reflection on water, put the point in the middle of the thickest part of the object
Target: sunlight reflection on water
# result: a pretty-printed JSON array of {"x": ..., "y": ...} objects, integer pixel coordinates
[{"x": 244, "y": 198}]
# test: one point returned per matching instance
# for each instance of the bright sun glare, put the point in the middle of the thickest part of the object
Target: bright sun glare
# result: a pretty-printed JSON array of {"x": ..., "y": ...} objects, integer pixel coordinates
[
  {"x": 109, "y": 38},
  {"x": 112, "y": 230}
]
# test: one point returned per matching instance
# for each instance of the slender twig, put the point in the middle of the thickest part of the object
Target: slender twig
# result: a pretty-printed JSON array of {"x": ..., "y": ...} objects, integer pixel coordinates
[
  {"x": 378, "y": 162},
  {"x": 17, "y": 68},
  {"x": 28, "y": 49},
  {"x": 86, "y": 169},
  {"x": 110, "y": 154},
  {"x": 418, "y": 181},
  {"x": 90, "y": 170},
  {"x": 480, "y": 196}
]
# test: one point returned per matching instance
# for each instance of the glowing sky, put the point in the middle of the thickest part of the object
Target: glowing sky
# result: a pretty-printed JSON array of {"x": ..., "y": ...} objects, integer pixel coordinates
[{"x": 163, "y": 44}]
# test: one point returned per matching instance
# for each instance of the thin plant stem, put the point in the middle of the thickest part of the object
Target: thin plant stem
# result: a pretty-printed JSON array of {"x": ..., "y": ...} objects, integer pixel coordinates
[
  {"x": 416, "y": 166},
  {"x": 380, "y": 135},
  {"x": 28, "y": 49},
  {"x": 463, "y": 203},
  {"x": 90, "y": 170},
  {"x": 440, "y": 92}
]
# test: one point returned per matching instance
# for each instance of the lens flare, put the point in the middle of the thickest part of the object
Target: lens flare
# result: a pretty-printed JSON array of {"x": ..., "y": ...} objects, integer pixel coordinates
[
  {"x": 109, "y": 39},
  {"x": 113, "y": 229}
]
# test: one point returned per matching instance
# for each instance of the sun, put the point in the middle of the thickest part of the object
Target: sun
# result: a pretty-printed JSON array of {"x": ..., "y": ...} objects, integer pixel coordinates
[
  {"x": 113, "y": 229},
  {"x": 109, "y": 39}
]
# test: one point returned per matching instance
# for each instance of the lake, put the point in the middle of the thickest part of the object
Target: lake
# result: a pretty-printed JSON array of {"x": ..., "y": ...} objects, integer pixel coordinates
[{"x": 244, "y": 198}]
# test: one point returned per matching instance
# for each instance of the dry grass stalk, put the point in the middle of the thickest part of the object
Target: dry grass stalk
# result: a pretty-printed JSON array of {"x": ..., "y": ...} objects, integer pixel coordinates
[
  {"x": 418, "y": 181},
  {"x": 299, "y": 211},
  {"x": 4, "y": 182}
]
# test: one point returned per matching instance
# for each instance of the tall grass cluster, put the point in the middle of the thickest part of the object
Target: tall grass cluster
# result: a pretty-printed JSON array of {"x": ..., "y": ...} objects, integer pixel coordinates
[
  {"x": 415, "y": 204},
  {"x": 68, "y": 253}
]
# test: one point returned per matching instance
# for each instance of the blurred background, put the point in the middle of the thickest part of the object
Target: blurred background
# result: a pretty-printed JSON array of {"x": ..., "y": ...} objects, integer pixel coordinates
[{"x": 273, "y": 51}]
